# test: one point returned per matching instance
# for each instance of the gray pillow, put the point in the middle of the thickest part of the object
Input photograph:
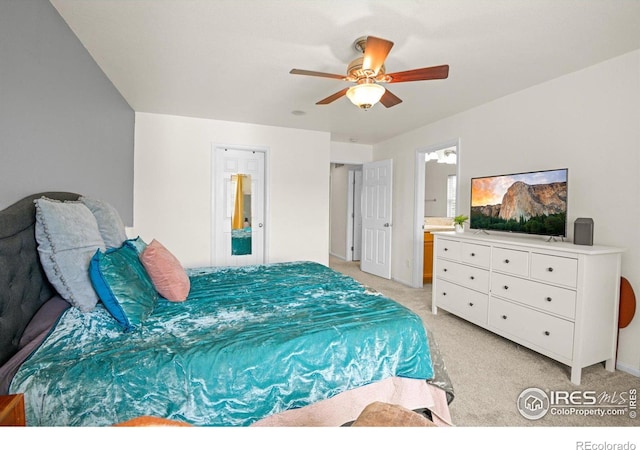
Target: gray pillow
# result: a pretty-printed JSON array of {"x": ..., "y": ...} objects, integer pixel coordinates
[
  {"x": 68, "y": 236},
  {"x": 109, "y": 221}
]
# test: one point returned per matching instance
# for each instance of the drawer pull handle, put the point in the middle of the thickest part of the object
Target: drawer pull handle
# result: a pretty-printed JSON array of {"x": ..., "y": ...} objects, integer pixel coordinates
[
  {"x": 548, "y": 299},
  {"x": 472, "y": 277},
  {"x": 444, "y": 270},
  {"x": 506, "y": 261},
  {"x": 549, "y": 269},
  {"x": 504, "y": 317},
  {"x": 444, "y": 294},
  {"x": 470, "y": 303},
  {"x": 473, "y": 254},
  {"x": 446, "y": 249},
  {"x": 505, "y": 287},
  {"x": 546, "y": 333}
]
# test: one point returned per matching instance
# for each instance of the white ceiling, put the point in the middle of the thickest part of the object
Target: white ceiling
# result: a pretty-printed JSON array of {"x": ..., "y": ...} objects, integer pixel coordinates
[{"x": 230, "y": 59}]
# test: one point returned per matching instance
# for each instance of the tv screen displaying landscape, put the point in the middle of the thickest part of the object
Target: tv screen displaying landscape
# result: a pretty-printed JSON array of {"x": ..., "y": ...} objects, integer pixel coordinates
[{"x": 531, "y": 202}]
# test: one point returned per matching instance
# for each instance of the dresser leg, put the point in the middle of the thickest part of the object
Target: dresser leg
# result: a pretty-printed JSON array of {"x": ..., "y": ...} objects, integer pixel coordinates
[
  {"x": 610, "y": 365},
  {"x": 576, "y": 374}
]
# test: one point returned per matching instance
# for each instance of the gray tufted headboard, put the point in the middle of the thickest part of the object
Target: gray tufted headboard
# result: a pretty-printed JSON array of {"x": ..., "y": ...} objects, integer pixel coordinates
[{"x": 24, "y": 287}]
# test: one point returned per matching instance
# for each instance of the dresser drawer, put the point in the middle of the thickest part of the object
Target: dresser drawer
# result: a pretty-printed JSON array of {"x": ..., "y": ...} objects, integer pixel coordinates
[
  {"x": 468, "y": 304},
  {"x": 447, "y": 248},
  {"x": 477, "y": 254},
  {"x": 550, "y": 333},
  {"x": 468, "y": 276},
  {"x": 511, "y": 261},
  {"x": 554, "y": 269},
  {"x": 553, "y": 299}
]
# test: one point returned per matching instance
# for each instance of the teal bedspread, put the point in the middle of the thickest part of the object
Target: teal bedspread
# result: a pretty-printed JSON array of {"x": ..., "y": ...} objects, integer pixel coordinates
[{"x": 248, "y": 342}]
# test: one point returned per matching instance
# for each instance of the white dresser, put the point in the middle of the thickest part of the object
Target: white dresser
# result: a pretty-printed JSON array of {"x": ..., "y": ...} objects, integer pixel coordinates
[{"x": 556, "y": 298}]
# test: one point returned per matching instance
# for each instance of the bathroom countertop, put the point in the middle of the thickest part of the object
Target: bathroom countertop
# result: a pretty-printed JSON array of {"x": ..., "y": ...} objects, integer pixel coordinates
[{"x": 438, "y": 228}]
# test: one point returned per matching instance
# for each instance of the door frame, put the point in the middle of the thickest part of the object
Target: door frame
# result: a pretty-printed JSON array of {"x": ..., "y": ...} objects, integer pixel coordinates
[
  {"x": 418, "y": 207},
  {"x": 352, "y": 211},
  {"x": 214, "y": 198}
]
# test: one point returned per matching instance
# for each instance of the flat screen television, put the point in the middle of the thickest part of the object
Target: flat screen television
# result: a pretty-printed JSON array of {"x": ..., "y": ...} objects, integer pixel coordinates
[{"x": 527, "y": 202}]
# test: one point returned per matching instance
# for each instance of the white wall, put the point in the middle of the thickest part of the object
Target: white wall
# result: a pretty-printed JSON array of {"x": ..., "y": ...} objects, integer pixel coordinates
[
  {"x": 588, "y": 121},
  {"x": 172, "y": 186},
  {"x": 351, "y": 153}
]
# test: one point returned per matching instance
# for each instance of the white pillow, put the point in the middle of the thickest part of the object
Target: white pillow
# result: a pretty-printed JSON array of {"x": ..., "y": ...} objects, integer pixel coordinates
[
  {"x": 68, "y": 236},
  {"x": 109, "y": 221}
]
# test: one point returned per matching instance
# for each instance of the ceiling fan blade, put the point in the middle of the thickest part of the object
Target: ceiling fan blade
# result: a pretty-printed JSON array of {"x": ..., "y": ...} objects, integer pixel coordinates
[
  {"x": 388, "y": 99},
  {"x": 333, "y": 97},
  {"x": 427, "y": 73},
  {"x": 375, "y": 52},
  {"x": 316, "y": 74}
]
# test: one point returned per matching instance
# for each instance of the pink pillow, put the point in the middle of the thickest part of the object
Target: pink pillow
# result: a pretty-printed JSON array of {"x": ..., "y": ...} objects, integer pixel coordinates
[{"x": 166, "y": 272}]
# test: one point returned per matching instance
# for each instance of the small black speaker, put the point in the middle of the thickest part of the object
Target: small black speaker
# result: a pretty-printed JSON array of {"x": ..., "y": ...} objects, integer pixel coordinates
[{"x": 583, "y": 231}]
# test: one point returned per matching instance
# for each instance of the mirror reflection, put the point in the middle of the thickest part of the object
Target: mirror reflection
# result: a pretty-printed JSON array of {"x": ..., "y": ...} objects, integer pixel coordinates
[
  {"x": 241, "y": 220},
  {"x": 440, "y": 189}
]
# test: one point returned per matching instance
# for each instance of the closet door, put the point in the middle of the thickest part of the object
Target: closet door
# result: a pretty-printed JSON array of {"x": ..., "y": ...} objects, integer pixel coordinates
[{"x": 239, "y": 210}]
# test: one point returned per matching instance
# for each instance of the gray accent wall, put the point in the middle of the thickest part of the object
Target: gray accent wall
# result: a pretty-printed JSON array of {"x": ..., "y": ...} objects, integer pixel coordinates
[{"x": 63, "y": 125}]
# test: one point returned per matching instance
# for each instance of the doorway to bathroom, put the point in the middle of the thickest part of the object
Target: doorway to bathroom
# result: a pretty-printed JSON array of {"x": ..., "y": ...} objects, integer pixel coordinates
[{"x": 437, "y": 180}]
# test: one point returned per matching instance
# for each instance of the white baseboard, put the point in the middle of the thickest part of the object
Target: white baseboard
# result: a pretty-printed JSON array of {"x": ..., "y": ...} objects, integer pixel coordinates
[
  {"x": 342, "y": 257},
  {"x": 625, "y": 368},
  {"x": 403, "y": 282}
]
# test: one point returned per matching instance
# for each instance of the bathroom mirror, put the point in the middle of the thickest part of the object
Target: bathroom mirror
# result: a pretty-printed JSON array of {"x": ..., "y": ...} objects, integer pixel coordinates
[
  {"x": 241, "y": 220},
  {"x": 440, "y": 183}
]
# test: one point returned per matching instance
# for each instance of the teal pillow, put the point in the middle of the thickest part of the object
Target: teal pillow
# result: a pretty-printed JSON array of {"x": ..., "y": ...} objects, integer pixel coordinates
[
  {"x": 123, "y": 285},
  {"x": 138, "y": 244}
]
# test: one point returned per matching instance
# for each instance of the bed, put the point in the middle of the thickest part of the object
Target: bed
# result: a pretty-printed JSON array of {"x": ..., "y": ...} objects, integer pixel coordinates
[{"x": 283, "y": 344}]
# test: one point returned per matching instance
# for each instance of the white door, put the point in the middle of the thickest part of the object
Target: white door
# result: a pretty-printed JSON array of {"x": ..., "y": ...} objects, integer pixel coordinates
[
  {"x": 376, "y": 218},
  {"x": 245, "y": 245},
  {"x": 357, "y": 215}
]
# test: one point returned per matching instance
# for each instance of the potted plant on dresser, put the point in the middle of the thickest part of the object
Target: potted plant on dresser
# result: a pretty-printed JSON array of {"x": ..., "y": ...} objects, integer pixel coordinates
[{"x": 459, "y": 221}]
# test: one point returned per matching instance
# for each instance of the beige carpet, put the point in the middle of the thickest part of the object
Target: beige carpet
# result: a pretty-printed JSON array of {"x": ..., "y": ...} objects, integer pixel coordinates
[{"x": 489, "y": 372}]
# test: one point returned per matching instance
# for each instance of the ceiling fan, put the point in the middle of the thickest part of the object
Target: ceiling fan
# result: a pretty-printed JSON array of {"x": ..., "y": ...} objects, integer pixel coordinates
[{"x": 368, "y": 71}]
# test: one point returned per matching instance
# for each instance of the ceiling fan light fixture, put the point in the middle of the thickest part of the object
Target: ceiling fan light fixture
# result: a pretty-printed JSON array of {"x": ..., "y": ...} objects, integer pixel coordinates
[{"x": 365, "y": 95}]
